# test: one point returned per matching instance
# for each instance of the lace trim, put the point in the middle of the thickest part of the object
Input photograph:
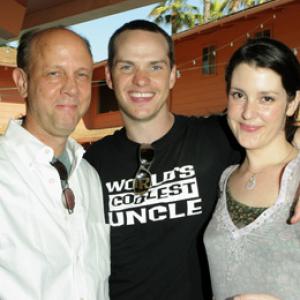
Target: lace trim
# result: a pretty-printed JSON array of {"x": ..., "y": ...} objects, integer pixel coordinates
[
  {"x": 222, "y": 212},
  {"x": 241, "y": 214}
]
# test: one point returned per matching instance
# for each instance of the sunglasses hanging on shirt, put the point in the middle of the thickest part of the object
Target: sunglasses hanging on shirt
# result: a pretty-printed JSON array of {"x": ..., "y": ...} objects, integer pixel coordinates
[
  {"x": 142, "y": 180},
  {"x": 68, "y": 195}
]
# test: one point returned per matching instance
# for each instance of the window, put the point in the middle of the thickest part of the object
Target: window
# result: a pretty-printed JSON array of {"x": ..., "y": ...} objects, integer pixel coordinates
[
  {"x": 107, "y": 101},
  {"x": 209, "y": 60},
  {"x": 264, "y": 33}
]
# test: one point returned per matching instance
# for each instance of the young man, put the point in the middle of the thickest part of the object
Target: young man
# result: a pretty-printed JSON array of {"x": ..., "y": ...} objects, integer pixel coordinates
[
  {"x": 54, "y": 243},
  {"x": 154, "y": 235},
  {"x": 160, "y": 174}
]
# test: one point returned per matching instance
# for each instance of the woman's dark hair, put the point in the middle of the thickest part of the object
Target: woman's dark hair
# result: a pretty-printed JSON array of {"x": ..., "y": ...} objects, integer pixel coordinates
[
  {"x": 139, "y": 25},
  {"x": 274, "y": 55}
]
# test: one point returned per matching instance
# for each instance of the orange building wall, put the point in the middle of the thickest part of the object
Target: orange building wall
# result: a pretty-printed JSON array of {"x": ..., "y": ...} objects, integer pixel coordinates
[
  {"x": 8, "y": 91},
  {"x": 197, "y": 94},
  {"x": 9, "y": 111},
  {"x": 11, "y": 104}
]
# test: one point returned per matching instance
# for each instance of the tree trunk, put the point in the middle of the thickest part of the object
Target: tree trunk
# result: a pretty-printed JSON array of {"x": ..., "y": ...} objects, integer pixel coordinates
[
  {"x": 206, "y": 10},
  {"x": 235, "y": 5}
]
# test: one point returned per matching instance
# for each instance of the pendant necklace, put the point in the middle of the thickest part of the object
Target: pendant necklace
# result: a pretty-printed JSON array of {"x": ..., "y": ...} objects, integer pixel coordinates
[{"x": 251, "y": 182}]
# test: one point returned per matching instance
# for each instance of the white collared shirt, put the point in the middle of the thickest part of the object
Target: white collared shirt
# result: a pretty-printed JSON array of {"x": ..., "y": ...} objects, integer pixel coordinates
[{"x": 45, "y": 252}]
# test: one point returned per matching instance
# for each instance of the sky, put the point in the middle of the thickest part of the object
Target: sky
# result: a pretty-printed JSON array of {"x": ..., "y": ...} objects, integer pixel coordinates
[{"x": 98, "y": 31}]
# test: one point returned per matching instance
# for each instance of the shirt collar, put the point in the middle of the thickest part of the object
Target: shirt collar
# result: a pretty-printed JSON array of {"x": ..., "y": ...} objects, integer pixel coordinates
[{"x": 32, "y": 150}]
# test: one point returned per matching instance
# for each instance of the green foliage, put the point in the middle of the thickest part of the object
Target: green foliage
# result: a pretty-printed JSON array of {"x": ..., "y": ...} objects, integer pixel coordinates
[
  {"x": 217, "y": 8},
  {"x": 180, "y": 15},
  {"x": 177, "y": 13},
  {"x": 236, "y": 5}
]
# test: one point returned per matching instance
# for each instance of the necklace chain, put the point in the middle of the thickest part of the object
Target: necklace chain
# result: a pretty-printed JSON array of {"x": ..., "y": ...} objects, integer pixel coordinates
[{"x": 251, "y": 182}]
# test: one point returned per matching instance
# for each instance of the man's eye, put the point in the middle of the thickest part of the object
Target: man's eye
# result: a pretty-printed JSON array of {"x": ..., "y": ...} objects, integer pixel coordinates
[
  {"x": 84, "y": 75},
  {"x": 53, "y": 73},
  {"x": 156, "y": 67},
  {"x": 125, "y": 67}
]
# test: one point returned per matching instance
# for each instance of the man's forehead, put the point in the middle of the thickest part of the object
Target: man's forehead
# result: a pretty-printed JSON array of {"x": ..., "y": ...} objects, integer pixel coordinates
[
  {"x": 136, "y": 43},
  {"x": 57, "y": 40},
  {"x": 56, "y": 36}
]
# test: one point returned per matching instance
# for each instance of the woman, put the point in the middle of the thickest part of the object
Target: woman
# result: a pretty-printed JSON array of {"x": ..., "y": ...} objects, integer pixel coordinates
[{"x": 250, "y": 245}]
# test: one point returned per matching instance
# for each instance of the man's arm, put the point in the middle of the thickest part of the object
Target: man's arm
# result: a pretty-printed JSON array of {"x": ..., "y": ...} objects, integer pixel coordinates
[
  {"x": 296, "y": 215},
  {"x": 295, "y": 218}
]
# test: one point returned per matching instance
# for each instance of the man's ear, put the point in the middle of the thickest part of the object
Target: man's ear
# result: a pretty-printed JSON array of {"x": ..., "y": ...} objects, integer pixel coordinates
[
  {"x": 21, "y": 81},
  {"x": 173, "y": 76},
  {"x": 293, "y": 105},
  {"x": 108, "y": 77}
]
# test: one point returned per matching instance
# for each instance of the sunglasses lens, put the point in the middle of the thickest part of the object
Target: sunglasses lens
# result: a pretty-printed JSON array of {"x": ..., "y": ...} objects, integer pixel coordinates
[
  {"x": 146, "y": 155},
  {"x": 61, "y": 169},
  {"x": 142, "y": 182},
  {"x": 69, "y": 199}
]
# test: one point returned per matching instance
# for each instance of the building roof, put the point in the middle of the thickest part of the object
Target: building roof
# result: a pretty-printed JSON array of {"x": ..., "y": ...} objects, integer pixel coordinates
[{"x": 226, "y": 20}]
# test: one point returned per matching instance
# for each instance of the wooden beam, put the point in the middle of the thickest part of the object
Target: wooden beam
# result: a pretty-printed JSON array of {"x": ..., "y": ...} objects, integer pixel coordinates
[
  {"x": 11, "y": 18},
  {"x": 76, "y": 11}
]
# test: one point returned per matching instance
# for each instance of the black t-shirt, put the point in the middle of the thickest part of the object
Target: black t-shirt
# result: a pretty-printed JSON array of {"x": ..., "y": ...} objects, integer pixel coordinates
[{"x": 156, "y": 239}]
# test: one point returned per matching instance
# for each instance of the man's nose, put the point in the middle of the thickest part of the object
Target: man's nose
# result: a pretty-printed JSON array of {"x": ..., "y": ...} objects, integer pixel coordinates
[
  {"x": 141, "y": 78},
  {"x": 70, "y": 85}
]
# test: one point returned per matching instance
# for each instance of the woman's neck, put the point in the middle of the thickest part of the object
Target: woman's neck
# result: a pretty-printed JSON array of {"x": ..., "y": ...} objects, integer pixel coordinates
[{"x": 257, "y": 160}]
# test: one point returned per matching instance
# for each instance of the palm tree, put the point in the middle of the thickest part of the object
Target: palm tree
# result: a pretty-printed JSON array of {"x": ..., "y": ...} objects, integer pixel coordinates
[
  {"x": 177, "y": 13},
  {"x": 235, "y": 5},
  {"x": 180, "y": 14},
  {"x": 206, "y": 10},
  {"x": 217, "y": 9},
  {"x": 213, "y": 9}
]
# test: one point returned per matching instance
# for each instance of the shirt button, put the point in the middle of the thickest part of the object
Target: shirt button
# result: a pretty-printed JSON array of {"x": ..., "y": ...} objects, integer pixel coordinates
[{"x": 47, "y": 151}]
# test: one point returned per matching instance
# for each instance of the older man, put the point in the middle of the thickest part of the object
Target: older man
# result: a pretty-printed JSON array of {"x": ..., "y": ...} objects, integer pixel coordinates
[{"x": 54, "y": 243}]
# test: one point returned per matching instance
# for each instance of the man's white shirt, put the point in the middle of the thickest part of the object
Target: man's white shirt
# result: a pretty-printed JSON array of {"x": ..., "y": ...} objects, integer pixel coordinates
[{"x": 45, "y": 252}]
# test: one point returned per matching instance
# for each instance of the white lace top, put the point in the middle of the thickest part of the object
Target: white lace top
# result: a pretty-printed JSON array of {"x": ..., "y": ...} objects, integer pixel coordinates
[{"x": 262, "y": 257}]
